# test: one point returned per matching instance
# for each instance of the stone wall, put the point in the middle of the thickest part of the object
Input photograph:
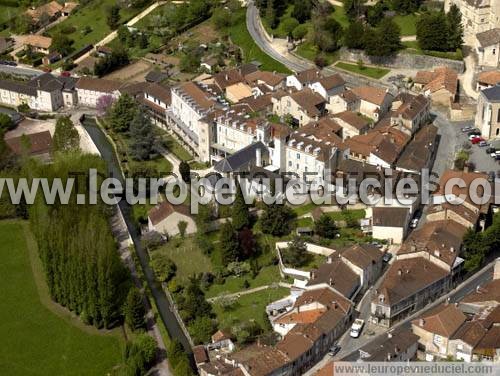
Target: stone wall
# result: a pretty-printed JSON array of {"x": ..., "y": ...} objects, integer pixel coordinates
[{"x": 402, "y": 60}]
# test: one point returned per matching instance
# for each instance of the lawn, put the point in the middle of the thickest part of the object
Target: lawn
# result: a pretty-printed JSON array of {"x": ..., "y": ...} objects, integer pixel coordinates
[
  {"x": 356, "y": 214},
  {"x": 94, "y": 15},
  {"x": 304, "y": 209},
  {"x": 177, "y": 149},
  {"x": 241, "y": 37},
  {"x": 38, "y": 336},
  {"x": 373, "y": 72},
  {"x": 267, "y": 276},
  {"x": 309, "y": 51},
  {"x": 249, "y": 307},
  {"x": 340, "y": 16},
  {"x": 187, "y": 256},
  {"x": 407, "y": 24},
  {"x": 7, "y": 13}
]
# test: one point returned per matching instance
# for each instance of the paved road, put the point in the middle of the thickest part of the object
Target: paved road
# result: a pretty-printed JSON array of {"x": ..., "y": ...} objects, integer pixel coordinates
[
  {"x": 466, "y": 287},
  {"x": 294, "y": 62},
  {"x": 256, "y": 30},
  {"x": 20, "y": 70}
]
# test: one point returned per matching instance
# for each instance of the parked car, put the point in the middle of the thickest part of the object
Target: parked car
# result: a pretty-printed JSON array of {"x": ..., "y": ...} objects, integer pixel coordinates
[
  {"x": 334, "y": 350},
  {"x": 476, "y": 140},
  {"x": 490, "y": 150},
  {"x": 473, "y": 136},
  {"x": 491, "y": 176},
  {"x": 474, "y": 131},
  {"x": 483, "y": 144},
  {"x": 466, "y": 129},
  {"x": 356, "y": 328},
  {"x": 387, "y": 257},
  {"x": 497, "y": 157}
]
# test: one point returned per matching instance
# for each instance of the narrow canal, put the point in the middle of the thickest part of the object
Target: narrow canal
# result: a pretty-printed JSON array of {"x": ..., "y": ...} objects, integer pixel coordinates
[{"x": 164, "y": 308}]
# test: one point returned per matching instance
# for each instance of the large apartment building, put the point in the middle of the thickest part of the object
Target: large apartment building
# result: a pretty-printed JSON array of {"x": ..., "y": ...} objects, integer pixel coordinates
[{"x": 43, "y": 93}]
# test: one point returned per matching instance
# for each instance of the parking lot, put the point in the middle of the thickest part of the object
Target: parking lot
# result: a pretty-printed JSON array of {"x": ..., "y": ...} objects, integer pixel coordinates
[{"x": 482, "y": 161}]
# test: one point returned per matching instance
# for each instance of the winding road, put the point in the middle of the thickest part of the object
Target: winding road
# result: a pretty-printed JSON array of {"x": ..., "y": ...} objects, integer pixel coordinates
[
  {"x": 292, "y": 61},
  {"x": 257, "y": 33}
]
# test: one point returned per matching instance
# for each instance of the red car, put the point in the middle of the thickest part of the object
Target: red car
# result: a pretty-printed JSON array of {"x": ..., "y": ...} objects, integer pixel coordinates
[{"x": 477, "y": 140}]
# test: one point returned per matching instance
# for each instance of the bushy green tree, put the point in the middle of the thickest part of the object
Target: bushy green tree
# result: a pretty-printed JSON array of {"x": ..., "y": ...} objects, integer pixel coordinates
[
  {"x": 185, "y": 171},
  {"x": 289, "y": 25},
  {"x": 300, "y": 32},
  {"x": 354, "y": 36},
  {"x": 62, "y": 43},
  {"x": 325, "y": 227},
  {"x": 229, "y": 245},
  {"x": 353, "y": 8},
  {"x": 455, "y": 28},
  {"x": 239, "y": 212},
  {"x": 432, "y": 31},
  {"x": 296, "y": 254},
  {"x": 163, "y": 266},
  {"x": 134, "y": 310},
  {"x": 6, "y": 123},
  {"x": 122, "y": 113},
  {"x": 302, "y": 10},
  {"x": 384, "y": 40},
  {"x": 66, "y": 137},
  {"x": 113, "y": 16},
  {"x": 143, "y": 142},
  {"x": 276, "y": 219}
]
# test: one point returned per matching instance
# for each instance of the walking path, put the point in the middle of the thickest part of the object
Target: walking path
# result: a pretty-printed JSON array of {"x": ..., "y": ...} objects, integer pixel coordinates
[
  {"x": 248, "y": 291},
  {"x": 467, "y": 78},
  {"x": 108, "y": 38}
]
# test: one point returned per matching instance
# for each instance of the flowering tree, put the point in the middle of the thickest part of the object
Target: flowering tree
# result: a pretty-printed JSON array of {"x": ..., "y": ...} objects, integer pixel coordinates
[{"x": 104, "y": 103}]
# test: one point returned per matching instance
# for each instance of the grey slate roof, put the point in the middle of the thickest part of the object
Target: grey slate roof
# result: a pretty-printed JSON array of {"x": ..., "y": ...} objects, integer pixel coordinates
[
  {"x": 492, "y": 93},
  {"x": 18, "y": 87},
  {"x": 240, "y": 158},
  {"x": 489, "y": 37},
  {"x": 156, "y": 76}
]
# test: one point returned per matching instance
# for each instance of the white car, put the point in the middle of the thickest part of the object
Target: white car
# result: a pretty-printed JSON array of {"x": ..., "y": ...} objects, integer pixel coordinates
[
  {"x": 414, "y": 222},
  {"x": 356, "y": 328}
]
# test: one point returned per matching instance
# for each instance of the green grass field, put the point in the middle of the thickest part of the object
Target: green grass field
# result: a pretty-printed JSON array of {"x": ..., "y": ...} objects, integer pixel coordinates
[
  {"x": 187, "y": 256},
  {"x": 249, "y": 307},
  {"x": 373, "y": 72},
  {"x": 6, "y": 13},
  {"x": 39, "y": 337},
  {"x": 93, "y": 15},
  {"x": 407, "y": 23},
  {"x": 340, "y": 16},
  {"x": 267, "y": 276},
  {"x": 241, "y": 37}
]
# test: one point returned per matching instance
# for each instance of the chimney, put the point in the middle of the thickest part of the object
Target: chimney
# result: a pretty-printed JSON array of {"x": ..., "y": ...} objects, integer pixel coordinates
[
  {"x": 496, "y": 269},
  {"x": 389, "y": 335},
  {"x": 313, "y": 275},
  {"x": 421, "y": 322},
  {"x": 329, "y": 260},
  {"x": 258, "y": 157},
  {"x": 388, "y": 356},
  {"x": 400, "y": 272},
  {"x": 330, "y": 282}
]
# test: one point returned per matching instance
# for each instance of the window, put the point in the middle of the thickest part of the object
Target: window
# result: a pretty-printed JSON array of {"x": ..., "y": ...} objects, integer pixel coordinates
[
  {"x": 498, "y": 131},
  {"x": 498, "y": 116},
  {"x": 494, "y": 50},
  {"x": 298, "y": 155}
]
